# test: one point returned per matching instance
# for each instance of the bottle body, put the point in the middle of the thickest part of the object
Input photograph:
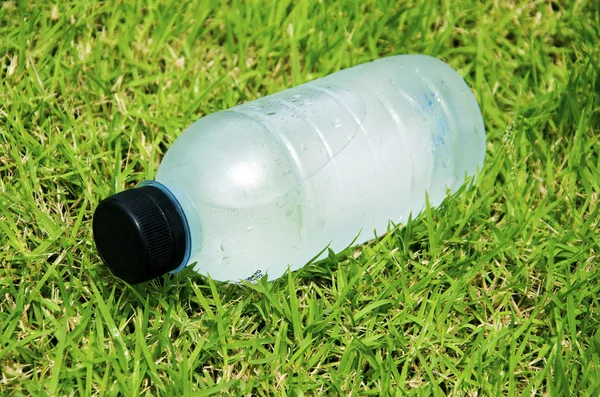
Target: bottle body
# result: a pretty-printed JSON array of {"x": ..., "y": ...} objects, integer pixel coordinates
[{"x": 270, "y": 183}]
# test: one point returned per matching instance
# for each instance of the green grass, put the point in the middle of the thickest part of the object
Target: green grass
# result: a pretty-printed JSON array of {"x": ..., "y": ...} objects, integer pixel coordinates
[{"x": 495, "y": 293}]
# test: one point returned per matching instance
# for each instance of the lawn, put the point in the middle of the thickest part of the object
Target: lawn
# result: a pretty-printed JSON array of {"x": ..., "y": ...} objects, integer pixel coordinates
[{"x": 494, "y": 293}]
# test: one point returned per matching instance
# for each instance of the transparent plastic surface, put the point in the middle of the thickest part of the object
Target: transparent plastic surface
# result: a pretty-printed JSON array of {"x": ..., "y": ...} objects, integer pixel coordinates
[{"x": 269, "y": 184}]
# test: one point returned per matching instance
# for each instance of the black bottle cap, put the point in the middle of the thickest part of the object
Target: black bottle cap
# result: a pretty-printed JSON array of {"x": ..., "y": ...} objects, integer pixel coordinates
[{"x": 139, "y": 234}]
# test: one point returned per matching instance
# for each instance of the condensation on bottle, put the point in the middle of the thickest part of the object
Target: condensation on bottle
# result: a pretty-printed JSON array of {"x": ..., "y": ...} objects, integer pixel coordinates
[{"x": 267, "y": 185}]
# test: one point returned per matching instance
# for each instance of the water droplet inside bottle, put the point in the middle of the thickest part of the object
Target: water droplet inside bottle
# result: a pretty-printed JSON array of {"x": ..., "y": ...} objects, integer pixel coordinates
[
  {"x": 303, "y": 147},
  {"x": 270, "y": 113},
  {"x": 336, "y": 122},
  {"x": 250, "y": 228},
  {"x": 392, "y": 82},
  {"x": 320, "y": 223},
  {"x": 297, "y": 96}
]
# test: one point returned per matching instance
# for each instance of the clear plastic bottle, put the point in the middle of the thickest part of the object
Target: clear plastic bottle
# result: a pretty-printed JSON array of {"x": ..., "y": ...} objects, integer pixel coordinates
[{"x": 268, "y": 184}]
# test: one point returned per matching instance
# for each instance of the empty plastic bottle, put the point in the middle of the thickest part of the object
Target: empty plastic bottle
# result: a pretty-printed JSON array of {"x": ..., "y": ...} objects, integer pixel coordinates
[{"x": 268, "y": 184}]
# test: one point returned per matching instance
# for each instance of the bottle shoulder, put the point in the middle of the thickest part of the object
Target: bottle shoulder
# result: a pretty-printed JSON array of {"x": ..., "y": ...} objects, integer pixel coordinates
[{"x": 228, "y": 160}]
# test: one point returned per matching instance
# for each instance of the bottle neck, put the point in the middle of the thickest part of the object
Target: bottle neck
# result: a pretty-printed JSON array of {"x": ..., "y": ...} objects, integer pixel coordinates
[{"x": 188, "y": 214}]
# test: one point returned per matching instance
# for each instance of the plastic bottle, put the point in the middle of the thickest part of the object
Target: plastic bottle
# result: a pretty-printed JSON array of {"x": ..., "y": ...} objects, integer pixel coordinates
[{"x": 270, "y": 183}]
